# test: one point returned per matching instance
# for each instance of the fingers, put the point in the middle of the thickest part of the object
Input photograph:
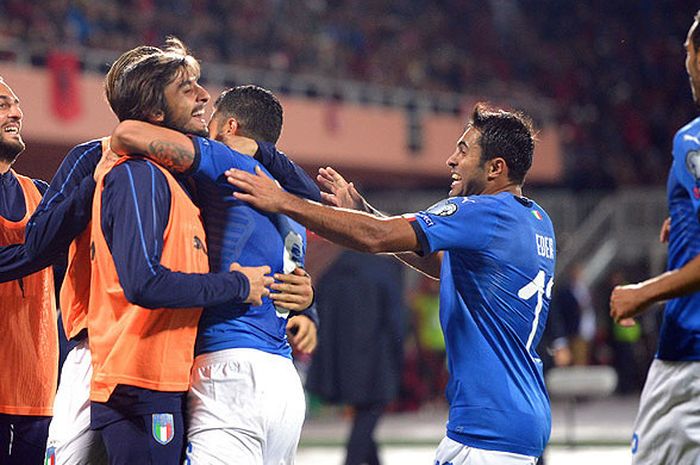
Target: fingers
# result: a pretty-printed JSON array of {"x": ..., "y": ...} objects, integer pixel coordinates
[
  {"x": 354, "y": 194},
  {"x": 305, "y": 339},
  {"x": 295, "y": 277},
  {"x": 330, "y": 199},
  {"x": 627, "y": 322},
  {"x": 289, "y": 302}
]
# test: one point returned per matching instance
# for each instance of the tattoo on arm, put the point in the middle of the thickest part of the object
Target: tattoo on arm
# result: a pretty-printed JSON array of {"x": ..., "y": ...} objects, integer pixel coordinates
[{"x": 171, "y": 155}]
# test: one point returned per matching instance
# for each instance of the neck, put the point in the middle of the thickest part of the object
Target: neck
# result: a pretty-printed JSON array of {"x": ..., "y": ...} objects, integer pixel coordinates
[
  {"x": 241, "y": 144},
  {"x": 5, "y": 166},
  {"x": 511, "y": 187}
]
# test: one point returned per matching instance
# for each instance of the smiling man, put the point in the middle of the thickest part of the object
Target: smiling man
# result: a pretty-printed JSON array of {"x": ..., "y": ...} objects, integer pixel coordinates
[
  {"x": 495, "y": 283},
  {"x": 28, "y": 310},
  {"x": 150, "y": 273}
]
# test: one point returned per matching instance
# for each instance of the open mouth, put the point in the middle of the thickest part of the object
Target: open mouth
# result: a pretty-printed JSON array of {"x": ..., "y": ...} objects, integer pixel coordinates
[
  {"x": 456, "y": 178},
  {"x": 199, "y": 114},
  {"x": 11, "y": 129}
]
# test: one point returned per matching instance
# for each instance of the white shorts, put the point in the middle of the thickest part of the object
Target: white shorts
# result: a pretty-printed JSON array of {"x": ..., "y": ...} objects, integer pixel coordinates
[
  {"x": 244, "y": 406},
  {"x": 453, "y": 453},
  {"x": 70, "y": 439},
  {"x": 667, "y": 428}
]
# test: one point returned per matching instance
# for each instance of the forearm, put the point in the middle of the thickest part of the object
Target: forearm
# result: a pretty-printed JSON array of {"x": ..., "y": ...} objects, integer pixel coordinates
[
  {"x": 15, "y": 263},
  {"x": 168, "y": 289},
  {"x": 50, "y": 231},
  {"x": 352, "y": 229},
  {"x": 167, "y": 147},
  {"x": 674, "y": 283}
]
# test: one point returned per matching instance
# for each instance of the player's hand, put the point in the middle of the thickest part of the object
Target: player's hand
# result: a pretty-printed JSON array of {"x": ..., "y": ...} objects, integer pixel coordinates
[
  {"x": 292, "y": 291},
  {"x": 107, "y": 160},
  {"x": 341, "y": 193},
  {"x": 665, "y": 230},
  {"x": 257, "y": 189},
  {"x": 626, "y": 302},
  {"x": 302, "y": 334},
  {"x": 259, "y": 282}
]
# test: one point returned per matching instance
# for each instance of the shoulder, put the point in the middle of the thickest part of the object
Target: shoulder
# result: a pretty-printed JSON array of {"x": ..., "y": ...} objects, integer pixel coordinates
[
  {"x": 133, "y": 169},
  {"x": 41, "y": 185},
  {"x": 688, "y": 136},
  {"x": 89, "y": 149}
]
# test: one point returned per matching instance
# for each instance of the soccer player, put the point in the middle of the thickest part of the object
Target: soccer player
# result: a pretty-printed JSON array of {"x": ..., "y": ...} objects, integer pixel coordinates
[
  {"x": 498, "y": 255},
  {"x": 243, "y": 362},
  {"x": 28, "y": 316},
  {"x": 665, "y": 431}
]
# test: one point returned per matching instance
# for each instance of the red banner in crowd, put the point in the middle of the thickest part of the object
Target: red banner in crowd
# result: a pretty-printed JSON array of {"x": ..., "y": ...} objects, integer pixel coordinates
[{"x": 64, "y": 69}]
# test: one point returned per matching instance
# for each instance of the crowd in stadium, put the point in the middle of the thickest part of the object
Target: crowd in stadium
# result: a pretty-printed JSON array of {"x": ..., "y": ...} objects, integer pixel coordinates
[{"x": 611, "y": 71}]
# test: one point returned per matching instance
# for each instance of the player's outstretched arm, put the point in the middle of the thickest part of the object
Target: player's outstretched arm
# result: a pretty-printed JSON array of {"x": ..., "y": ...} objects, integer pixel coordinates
[
  {"x": 343, "y": 194},
  {"x": 629, "y": 301},
  {"x": 356, "y": 230},
  {"x": 171, "y": 149}
]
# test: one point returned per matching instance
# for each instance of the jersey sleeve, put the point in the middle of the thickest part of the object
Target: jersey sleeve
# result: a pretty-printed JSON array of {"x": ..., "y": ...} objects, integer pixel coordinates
[
  {"x": 290, "y": 175},
  {"x": 465, "y": 223},
  {"x": 208, "y": 156},
  {"x": 686, "y": 166}
]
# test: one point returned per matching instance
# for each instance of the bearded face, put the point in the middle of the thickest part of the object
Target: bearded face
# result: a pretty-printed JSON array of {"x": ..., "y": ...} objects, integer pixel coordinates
[{"x": 11, "y": 143}]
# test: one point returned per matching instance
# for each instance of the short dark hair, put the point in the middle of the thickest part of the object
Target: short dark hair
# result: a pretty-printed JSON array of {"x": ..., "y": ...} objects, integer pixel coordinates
[
  {"x": 696, "y": 33},
  {"x": 257, "y": 110},
  {"x": 139, "y": 90},
  {"x": 505, "y": 134}
]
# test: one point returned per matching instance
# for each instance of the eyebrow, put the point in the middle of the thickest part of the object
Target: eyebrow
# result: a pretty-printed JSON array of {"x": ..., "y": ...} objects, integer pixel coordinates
[
  {"x": 186, "y": 82},
  {"x": 461, "y": 143},
  {"x": 7, "y": 97}
]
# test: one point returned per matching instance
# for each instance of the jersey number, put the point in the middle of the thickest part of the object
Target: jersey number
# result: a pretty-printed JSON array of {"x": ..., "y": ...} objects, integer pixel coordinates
[{"x": 528, "y": 291}]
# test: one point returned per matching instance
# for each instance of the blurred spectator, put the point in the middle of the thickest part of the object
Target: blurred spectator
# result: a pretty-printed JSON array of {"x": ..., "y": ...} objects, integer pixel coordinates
[
  {"x": 630, "y": 354},
  {"x": 358, "y": 360},
  {"x": 431, "y": 363},
  {"x": 577, "y": 317}
]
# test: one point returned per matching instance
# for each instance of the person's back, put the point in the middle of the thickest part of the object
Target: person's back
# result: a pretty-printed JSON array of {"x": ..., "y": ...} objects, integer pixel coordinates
[
  {"x": 238, "y": 233},
  {"x": 495, "y": 289}
]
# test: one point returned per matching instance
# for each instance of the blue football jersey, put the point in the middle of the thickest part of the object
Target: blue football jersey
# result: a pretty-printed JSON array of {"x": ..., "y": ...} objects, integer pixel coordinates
[
  {"x": 236, "y": 232},
  {"x": 495, "y": 289},
  {"x": 679, "y": 338}
]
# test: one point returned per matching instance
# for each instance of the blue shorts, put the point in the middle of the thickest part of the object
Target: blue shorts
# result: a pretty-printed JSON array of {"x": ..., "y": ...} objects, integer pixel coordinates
[
  {"x": 153, "y": 439},
  {"x": 23, "y": 439}
]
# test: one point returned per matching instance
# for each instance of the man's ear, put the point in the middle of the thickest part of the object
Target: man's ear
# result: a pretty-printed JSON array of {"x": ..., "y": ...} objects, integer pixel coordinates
[
  {"x": 157, "y": 117},
  {"x": 497, "y": 167},
  {"x": 231, "y": 126}
]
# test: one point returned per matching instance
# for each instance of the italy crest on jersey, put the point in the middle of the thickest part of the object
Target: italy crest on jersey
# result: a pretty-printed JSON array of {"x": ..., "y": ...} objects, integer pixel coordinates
[
  {"x": 50, "y": 456},
  {"x": 163, "y": 427},
  {"x": 692, "y": 162}
]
